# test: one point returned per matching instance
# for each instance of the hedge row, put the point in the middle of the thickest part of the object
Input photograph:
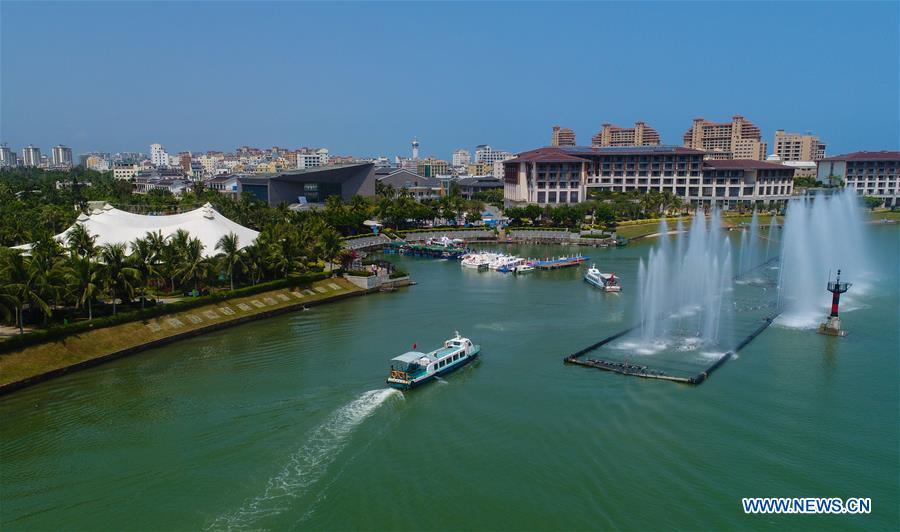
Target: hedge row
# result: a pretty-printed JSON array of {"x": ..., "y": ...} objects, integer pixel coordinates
[
  {"x": 360, "y": 273},
  {"x": 55, "y": 332}
]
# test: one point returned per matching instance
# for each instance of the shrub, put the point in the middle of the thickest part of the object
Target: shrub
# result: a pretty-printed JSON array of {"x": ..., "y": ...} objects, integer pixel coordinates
[
  {"x": 360, "y": 273},
  {"x": 396, "y": 274}
]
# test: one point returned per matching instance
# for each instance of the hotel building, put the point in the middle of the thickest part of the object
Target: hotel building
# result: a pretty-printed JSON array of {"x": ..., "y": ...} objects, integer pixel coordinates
[
  {"x": 639, "y": 135},
  {"x": 556, "y": 175},
  {"x": 738, "y": 139},
  {"x": 797, "y": 147},
  {"x": 562, "y": 136},
  {"x": 870, "y": 173}
]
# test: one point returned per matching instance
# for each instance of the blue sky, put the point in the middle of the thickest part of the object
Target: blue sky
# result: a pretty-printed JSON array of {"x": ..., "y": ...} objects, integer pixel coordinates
[{"x": 364, "y": 79}]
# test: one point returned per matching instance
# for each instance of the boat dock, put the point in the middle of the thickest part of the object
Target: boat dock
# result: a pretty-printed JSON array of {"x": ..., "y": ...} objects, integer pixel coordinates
[{"x": 563, "y": 262}]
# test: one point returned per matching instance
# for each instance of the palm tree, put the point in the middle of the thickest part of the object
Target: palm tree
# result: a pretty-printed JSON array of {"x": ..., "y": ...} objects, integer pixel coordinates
[
  {"x": 254, "y": 256},
  {"x": 20, "y": 283},
  {"x": 84, "y": 278},
  {"x": 143, "y": 258},
  {"x": 118, "y": 277},
  {"x": 81, "y": 242},
  {"x": 193, "y": 265},
  {"x": 331, "y": 246},
  {"x": 232, "y": 256}
]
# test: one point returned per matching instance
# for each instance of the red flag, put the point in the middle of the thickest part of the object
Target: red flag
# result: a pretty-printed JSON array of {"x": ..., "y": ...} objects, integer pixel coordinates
[{"x": 414, "y": 345}]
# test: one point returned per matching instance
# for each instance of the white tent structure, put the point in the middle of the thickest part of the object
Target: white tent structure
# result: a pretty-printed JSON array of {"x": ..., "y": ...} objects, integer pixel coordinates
[{"x": 111, "y": 225}]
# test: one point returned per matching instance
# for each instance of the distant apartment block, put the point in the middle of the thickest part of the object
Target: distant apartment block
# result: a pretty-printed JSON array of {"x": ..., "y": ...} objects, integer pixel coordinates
[
  {"x": 461, "y": 158},
  {"x": 125, "y": 171},
  {"x": 738, "y": 139},
  {"x": 432, "y": 167},
  {"x": 31, "y": 156},
  {"x": 798, "y": 147},
  {"x": 484, "y": 153},
  {"x": 869, "y": 173},
  {"x": 557, "y": 175},
  {"x": 312, "y": 158},
  {"x": 61, "y": 156},
  {"x": 158, "y": 156},
  {"x": 639, "y": 135},
  {"x": 562, "y": 136},
  {"x": 8, "y": 158}
]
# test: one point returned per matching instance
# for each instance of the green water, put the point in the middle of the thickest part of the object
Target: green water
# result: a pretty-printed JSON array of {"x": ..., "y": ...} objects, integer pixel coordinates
[{"x": 286, "y": 423}]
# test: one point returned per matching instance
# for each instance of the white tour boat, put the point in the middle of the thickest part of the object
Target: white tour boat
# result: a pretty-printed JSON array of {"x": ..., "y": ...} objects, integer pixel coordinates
[
  {"x": 414, "y": 367},
  {"x": 608, "y": 282}
]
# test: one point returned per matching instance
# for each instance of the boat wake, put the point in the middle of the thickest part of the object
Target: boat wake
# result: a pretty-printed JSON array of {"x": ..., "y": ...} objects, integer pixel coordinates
[{"x": 307, "y": 465}]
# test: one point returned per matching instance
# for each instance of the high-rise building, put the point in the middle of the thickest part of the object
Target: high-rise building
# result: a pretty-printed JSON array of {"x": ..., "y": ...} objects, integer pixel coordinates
[
  {"x": 184, "y": 161},
  {"x": 738, "y": 139},
  {"x": 61, "y": 156},
  {"x": 8, "y": 157},
  {"x": 461, "y": 158},
  {"x": 798, "y": 147},
  {"x": 31, "y": 156},
  {"x": 562, "y": 136},
  {"x": 639, "y": 135},
  {"x": 158, "y": 156},
  {"x": 415, "y": 149}
]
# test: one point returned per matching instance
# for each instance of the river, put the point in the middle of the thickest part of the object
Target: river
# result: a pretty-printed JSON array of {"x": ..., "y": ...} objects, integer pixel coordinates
[{"x": 286, "y": 423}]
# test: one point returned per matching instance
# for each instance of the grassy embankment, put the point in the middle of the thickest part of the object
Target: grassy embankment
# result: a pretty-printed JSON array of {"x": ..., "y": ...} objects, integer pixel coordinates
[
  {"x": 97, "y": 344},
  {"x": 640, "y": 230}
]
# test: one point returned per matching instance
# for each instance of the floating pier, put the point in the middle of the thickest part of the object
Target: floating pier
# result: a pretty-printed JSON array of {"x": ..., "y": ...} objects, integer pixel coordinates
[{"x": 639, "y": 370}]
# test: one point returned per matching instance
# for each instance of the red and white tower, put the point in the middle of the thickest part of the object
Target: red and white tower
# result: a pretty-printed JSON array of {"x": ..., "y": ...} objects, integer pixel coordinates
[{"x": 832, "y": 325}]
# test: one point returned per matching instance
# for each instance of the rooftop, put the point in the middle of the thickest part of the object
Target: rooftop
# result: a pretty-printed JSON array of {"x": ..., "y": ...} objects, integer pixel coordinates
[{"x": 883, "y": 155}]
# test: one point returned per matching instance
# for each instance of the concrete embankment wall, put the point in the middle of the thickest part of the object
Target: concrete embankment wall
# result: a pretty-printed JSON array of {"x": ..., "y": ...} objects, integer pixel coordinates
[{"x": 41, "y": 362}]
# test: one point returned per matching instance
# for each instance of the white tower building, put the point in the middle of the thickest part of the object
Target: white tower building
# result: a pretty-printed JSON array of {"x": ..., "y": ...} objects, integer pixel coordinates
[
  {"x": 158, "y": 155},
  {"x": 415, "y": 149}
]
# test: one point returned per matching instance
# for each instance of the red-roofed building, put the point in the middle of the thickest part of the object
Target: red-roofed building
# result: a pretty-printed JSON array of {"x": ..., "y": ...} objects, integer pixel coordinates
[{"x": 870, "y": 173}]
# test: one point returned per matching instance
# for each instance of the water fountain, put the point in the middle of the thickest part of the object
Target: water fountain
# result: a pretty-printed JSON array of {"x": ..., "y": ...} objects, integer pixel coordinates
[
  {"x": 681, "y": 288},
  {"x": 821, "y": 234}
]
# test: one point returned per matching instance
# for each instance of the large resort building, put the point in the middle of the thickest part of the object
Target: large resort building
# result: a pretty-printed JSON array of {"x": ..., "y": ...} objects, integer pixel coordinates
[
  {"x": 639, "y": 135},
  {"x": 558, "y": 175},
  {"x": 869, "y": 173},
  {"x": 738, "y": 139}
]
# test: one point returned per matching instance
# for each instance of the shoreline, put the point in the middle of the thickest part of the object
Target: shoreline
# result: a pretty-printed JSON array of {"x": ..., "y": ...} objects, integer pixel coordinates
[{"x": 73, "y": 353}]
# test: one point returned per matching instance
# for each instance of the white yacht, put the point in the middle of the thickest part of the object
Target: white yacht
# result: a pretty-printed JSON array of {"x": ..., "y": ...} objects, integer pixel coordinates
[
  {"x": 608, "y": 282},
  {"x": 478, "y": 261}
]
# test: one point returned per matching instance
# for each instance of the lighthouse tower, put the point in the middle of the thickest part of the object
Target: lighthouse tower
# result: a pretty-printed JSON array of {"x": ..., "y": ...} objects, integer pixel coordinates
[
  {"x": 415, "y": 148},
  {"x": 832, "y": 325}
]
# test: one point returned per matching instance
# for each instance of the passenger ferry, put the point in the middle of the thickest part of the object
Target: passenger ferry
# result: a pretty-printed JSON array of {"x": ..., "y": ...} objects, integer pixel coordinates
[
  {"x": 608, "y": 282},
  {"x": 414, "y": 368}
]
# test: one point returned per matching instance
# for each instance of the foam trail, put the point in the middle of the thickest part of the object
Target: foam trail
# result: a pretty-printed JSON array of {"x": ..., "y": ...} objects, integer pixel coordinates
[{"x": 308, "y": 464}]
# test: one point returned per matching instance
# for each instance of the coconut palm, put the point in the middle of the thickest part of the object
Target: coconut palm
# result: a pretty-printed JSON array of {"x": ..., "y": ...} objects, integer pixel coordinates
[
  {"x": 254, "y": 257},
  {"x": 143, "y": 259},
  {"x": 231, "y": 255},
  {"x": 119, "y": 278},
  {"x": 20, "y": 283},
  {"x": 81, "y": 242},
  {"x": 331, "y": 245},
  {"x": 84, "y": 278},
  {"x": 194, "y": 265}
]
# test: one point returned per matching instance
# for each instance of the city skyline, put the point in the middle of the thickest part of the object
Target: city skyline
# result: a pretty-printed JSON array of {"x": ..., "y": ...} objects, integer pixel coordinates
[{"x": 203, "y": 90}]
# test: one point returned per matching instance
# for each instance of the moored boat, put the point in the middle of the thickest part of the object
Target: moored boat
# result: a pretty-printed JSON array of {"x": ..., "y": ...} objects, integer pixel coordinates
[
  {"x": 608, "y": 282},
  {"x": 525, "y": 267},
  {"x": 414, "y": 368}
]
